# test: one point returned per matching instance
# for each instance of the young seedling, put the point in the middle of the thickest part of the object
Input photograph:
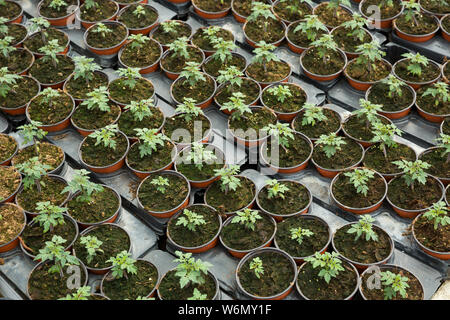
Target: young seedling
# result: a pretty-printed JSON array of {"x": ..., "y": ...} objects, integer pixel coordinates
[
  {"x": 280, "y": 92},
  {"x": 197, "y": 295},
  {"x": 192, "y": 73},
  {"x": 83, "y": 293},
  {"x": 331, "y": 144},
  {"x": 281, "y": 132},
  {"x": 334, "y": 5},
  {"x": 92, "y": 245},
  {"x": 329, "y": 263},
  {"x": 295, "y": 5},
  {"x": 413, "y": 171},
  {"x": 368, "y": 112},
  {"x": 275, "y": 189},
  {"x": 123, "y": 265},
  {"x": 411, "y": 11},
  {"x": 179, "y": 47},
  {"x": 199, "y": 154},
  {"x": 311, "y": 114},
  {"x": 7, "y": 81},
  {"x": 261, "y": 10},
  {"x": 49, "y": 216},
  {"x": 31, "y": 133},
  {"x": 3, "y": 26},
  {"x": 237, "y": 106},
  {"x": 50, "y": 51},
  {"x": 189, "y": 270},
  {"x": 369, "y": 54},
  {"x": 323, "y": 45},
  {"x": 33, "y": 170},
  {"x": 188, "y": 110},
  {"x": 85, "y": 68},
  {"x": 247, "y": 218},
  {"x": 141, "y": 109},
  {"x": 48, "y": 95},
  {"x": 57, "y": 4},
  {"x": 138, "y": 41},
  {"x": 160, "y": 183},
  {"x": 211, "y": 33},
  {"x": 299, "y": 234},
  {"x": 384, "y": 134},
  {"x": 264, "y": 54},
  {"x": 170, "y": 26},
  {"x": 130, "y": 75},
  {"x": 223, "y": 49},
  {"x": 257, "y": 266},
  {"x": 88, "y": 4},
  {"x": 311, "y": 26},
  {"x": 81, "y": 186},
  {"x": 97, "y": 99},
  {"x": 364, "y": 227},
  {"x": 395, "y": 85},
  {"x": 228, "y": 180},
  {"x": 359, "y": 179},
  {"x": 106, "y": 136},
  {"x": 230, "y": 75},
  {"x": 191, "y": 220},
  {"x": 393, "y": 284},
  {"x": 102, "y": 29},
  {"x": 356, "y": 27},
  {"x": 5, "y": 46},
  {"x": 438, "y": 214},
  {"x": 140, "y": 11},
  {"x": 444, "y": 142},
  {"x": 40, "y": 25},
  {"x": 439, "y": 91},
  {"x": 415, "y": 63},
  {"x": 149, "y": 139}
]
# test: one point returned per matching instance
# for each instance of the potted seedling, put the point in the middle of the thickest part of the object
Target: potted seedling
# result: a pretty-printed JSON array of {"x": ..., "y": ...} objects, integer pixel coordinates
[
  {"x": 86, "y": 77},
  {"x": 439, "y": 158},
  {"x": 18, "y": 32},
  {"x": 83, "y": 294},
  {"x": 302, "y": 235},
  {"x": 211, "y": 9},
  {"x": 286, "y": 151},
  {"x": 129, "y": 278},
  {"x": 333, "y": 13},
  {"x": 179, "y": 53},
  {"x": 16, "y": 91},
  {"x": 41, "y": 33},
  {"x": 93, "y": 11},
  {"x": 416, "y": 70},
  {"x": 333, "y": 154},
  {"x": 327, "y": 277},
  {"x": 12, "y": 11},
  {"x": 394, "y": 95},
  {"x": 195, "y": 229},
  {"x": 381, "y": 18},
  {"x": 206, "y": 38},
  {"x": 231, "y": 192},
  {"x": 414, "y": 191},
  {"x": 266, "y": 68},
  {"x": 223, "y": 58},
  {"x": 445, "y": 27},
  {"x": 48, "y": 280},
  {"x": 430, "y": 230},
  {"x": 292, "y": 10},
  {"x": 106, "y": 38},
  {"x": 104, "y": 150},
  {"x": 323, "y": 60},
  {"x": 193, "y": 84},
  {"x": 91, "y": 203},
  {"x": 11, "y": 181},
  {"x": 163, "y": 193},
  {"x": 263, "y": 25},
  {"x": 169, "y": 31},
  {"x": 368, "y": 68},
  {"x": 396, "y": 283},
  {"x": 199, "y": 162},
  {"x": 413, "y": 25},
  {"x": 141, "y": 52},
  {"x": 60, "y": 13},
  {"x": 243, "y": 8},
  {"x": 139, "y": 18},
  {"x": 188, "y": 276},
  {"x": 247, "y": 230},
  {"x": 130, "y": 86},
  {"x": 8, "y": 149},
  {"x": 433, "y": 101},
  {"x": 17, "y": 60},
  {"x": 266, "y": 274},
  {"x": 437, "y": 8},
  {"x": 52, "y": 108},
  {"x": 286, "y": 100},
  {"x": 300, "y": 34},
  {"x": 12, "y": 223}
]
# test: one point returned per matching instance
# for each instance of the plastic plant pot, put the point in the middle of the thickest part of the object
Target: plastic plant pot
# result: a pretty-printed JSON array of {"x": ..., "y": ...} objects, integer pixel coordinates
[
  {"x": 287, "y": 22},
  {"x": 14, "y": 243},
  {"x": 164, "y": 45},
  {"x": 361, "y": 85},
  {"x": 437, "y": 15},
  {"x": 124, "y": 4},
  {"x": 235, "y": 54},
  {"x": 175, "y": 75},
  {"x": 7, "y": 161},
  {"x": 254, "y": 44},
  {"x": 144, "y": 30},
  {"x": 55, "y": 171},
  {"x": 19, "y": 17},
  {"x": 105, "y": 51},
  {"x": 62, "y": 21},
  {"x": 433, "y": 253},
  {"x": 442, "y": 71},
  {"x": 365, "y": 144},
  {"x": 20, "y": 110},
  {"x": 88, "y": 24},
  {"x": 208, "y": 53},
  {"x": 38, "y": 55},
  {"x": 147, "y": 69},
  {"x": 415, "y": 37},
  {"x": 256, "y": 252},
  {"x": 25, "y": 71},
  {"x": 238, "y": 17},
  {"x": 253, "y": 103},
  {"x": 319, "y": 77},
  {"x": 85, "y": 132},
  {"x": 445, "y": 180},
  {"x": 12, "y": 196},
  {"x": 322, "y": 4},
  {"x": 379, "y": 23},
  {"x": 78, "y": 101},
  {"x": 445, "y": 33},
  {"x": 352, "y": 55},
  {"x": 436, "y": 118},
  {"x": 416, "y": 85},
  {"x": 210, "y": 15},
  {"x": 203, "y": 104},
  {"x": 265, "y": 84},
  {"x": 56, "y": 85},
  {"x": 292, "y": 46},
  {"x": 122, "y": 105}
]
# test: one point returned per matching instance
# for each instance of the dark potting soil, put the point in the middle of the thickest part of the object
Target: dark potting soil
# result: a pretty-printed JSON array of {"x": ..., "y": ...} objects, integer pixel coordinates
[
  {"x": 137, "y": 285},
  {"x": 60, "y": 109},
  {"x": 297, "y": 153},
  {"x": 414, "y": 292},
  {"x": 291, "y": 104},
  {"x": 238, "y": 237},
  {"x": 361, "y": 72},
  {"x": 213, "y": 65},
  {"x": 439, "y": 167},
  {"x": 17, "y": 61},
  {"x": 300, "y": 38},
  {"x": 282, "y": 10},
  {"x": 330, "y": 125},
  {"x": 160, "y": 158},
  {"x": 108, "y": 40},
  {"x": 375, "y": 159},
  {"x": 104, "y": 10},
  {"x": 102, "y": 206},
  {"x": 295, "y": 199},
  {"x": 166, "y": 38},
  {"x": 8, "y": 146},
  {"x": 101, "y": 156},
  {"x": 428, "y": 103},
  {"x": 232, "y": 200},
  {"x": 446, "y": 126},
  {"x": 379, "y": 95},
  {"x": 257, "y": 120},
  {"x": 50, "y": 286},
  {"x": 175, "y": 64},
  {"x": 345, "y": 192},
  {"x": 51, "y": 191},
  {"x": 279, "y": 274},
  {"x": 347, "y": 42},
  {"x": 190, "y": 170},
  {"x": 121, "y": 93},
  {"x": 21, "y": 93},
  {"x": 310, "y": 245},
  {"x": 49, "y": 154},
  {"x": 447, "y": 66},
  {"x": 348, "y": 156},
  {"x": 17, "y": 31},
  {"x": 95, "y": 118},
  {"x": 262, "y": 29},
  {"x": 47, "y": 73},
  {"x": 9, "y": 181},
  {"x": 79, "y": 88},
  {"x": 429, "y": 72},
  {"x": 201, "y": 39},
  {"x": 435, "y": 6},
  {"x": 434, "y": 239},
  {"x": 249, "y": 88},
  {"x": 146, "y": 56},
  {"x": 127, "y": 123},
  {"x": 174, "y": 195},
  {"x": 11, "y": 223},
  {"x": 315, "y": 288},
  {"x": 169, "y": 287},
  {"x": 115, "y": 240},
  {"x": 10, "y": 10},
  {"x": 422, "y": 197},
  {"x": 34, "y": 42},
  {"x": 332, "y": 17},
  {"x": 132, "y": 21},
  {"x": 34, "y": 237},
  {"x": 200, "y": 91},
  {"x": 174, "y": 128},
  {"x": 331, "y": 63},
  {"x": 244, "y": 7},
  {"x": 385, "y": 11},
  {"x": 212, "y": 5},
  {"x": 203, "y": 233},
  {"x": 356, "y": 127},
  {"x": 362, "y": 251},
  {"x": 425, "y": 24},
  {"x": 48, "y": 12},
  {"x": 273, "y": 72}
]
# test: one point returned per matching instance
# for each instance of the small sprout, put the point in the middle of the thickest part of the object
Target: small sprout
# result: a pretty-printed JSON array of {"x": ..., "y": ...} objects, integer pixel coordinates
[
  {"x": 190, "y": 220},
  {"x": 359, "y": 179},
  {"x": 228, "y": 180},
  {"x": 141, "y": 109},
  {"x": 364, "y": 226},
  {"x": 323, "y": 45},
  {"x": 312, "y": 114},
  {"x": 188, "y": 109},
  {"x": 81, "y": 186},
  {"x": 85, "y": 68},
  {"x": 356, "y": 27},
  {"x": 179, "y": 47},
  {"x": 211, "y": 33},
  {"x": 139, "y": 11},
  {"x": 106, "y": 136},
  {"x": 33, "y": 170},
  {"x": 281, "y": 132},
  {"x": 276, "y": 189},
  {"x": 334, "y": 4},
  {"x": 160, "y": 184},
  {"x": 50, "y": 51},
  {"x": 264, "y": 54},
  {"x": 190, "y": 270},
  {"x": 247, "y": 218},
  {"x": 329, "y": 263},
  {"x": 199, "y": 154},
  {"x": 383, "y": 134},
  {"x": 230, "y": 75},
  {"x": 97, "y": 99},
  {"x": 3, "y": 26},
  {"x": 331, "y": 144},
  {"x": 237, "y": 106},
  {"x": 257, "y": 266},
  {"x": 102, "y": 29},
  {"x": 57, "y": 4},
  {"x": 395, "y": 85},
  {"x": 47, "y": 95},
  {"x": 368, "y": 112},
  {"x": 130, "y": 75},
  {"x": 123, "y": 265},
  {"x": 294, "y": 5},
  {"x": 198, "y": 295},
  {"x": 415, "y": 63},
  {"x": 83, "y": 293},
  {"x": 280, "y": 92},
  {"x": 411, "y": 11},
  {"x": 88, "y": 4},
  {"x": 192, "y": 74},
  {"x": 32, "y": 133},
  {"x": 92, "y": 245},
  {"x": 138, "y": 41},
  {"x": 439, "y": 91},
  {"x": 438, "y": 214},
  {"x": 413, "y": 171},
  {"x": 223, "y": 49},
  {"x": 393, "y": 284},
  {"x": 49, "y": 216},
  {"x": 260, "y": 9},
  {"x": 444, "y": 142},
  {"x": 7, "y": 81},
  {"x": 39, "y": 24},
  {"x": 149, "y": 139},
  {"x": 170, "y": 26},
  {"x": 369, "y": 54},
  {"x": 311, "y": 25},
  {"x": 5, "y": 46},
  {"x": 299, "y": 234}
]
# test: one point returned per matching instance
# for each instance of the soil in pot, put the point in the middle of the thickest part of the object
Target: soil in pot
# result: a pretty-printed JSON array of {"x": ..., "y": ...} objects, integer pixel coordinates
[
  {"x": 284, "y": 11},
  {"x": 309, "y": 245},
  {"x": 386, "y": 11},
  {"x": 206, "y": 172},
  {"x": 104, "y": 10},
  {"x": 133, "y": 21},
  {"x": 10, "y": 10},
  {"x": 200, "y": 91},
  {"x": 175, "y": 64},
  {"x": 46, "y": 72},
  {"x": 143, "y": 56},
  {"x": 356, "y": 127},
  {"x": 215, "y": 64},
  {"x": 79, "y": 88},
  {"x": 298, "y": 152},
  {"x": 115, "y": 240},
  {"x": 202, "y": 40},
  {"x": 165, "y": 38},
  {"x": 244, "y": 7},
  {"x": 439, "y": 167},
  {"x": 434, "y": 239},
  {"x": 8, "y": 146},
  {"x": 379, "y": 94},
  {"x": 348, "y": 156},
  {"x": 278, "y": 275},
  {"x": 447, "y": 65},
  {"x": 212, "y": 5},
  {"x": 49, "y": 154},
  {"x": 122, "y": 93},
  {"x": 9, "y": 181},
  {"x": 35, "y": 41},
  {"x": 425, "y": 24},
  {"x": 169, "y": 288},
  {"x": 17, "y": 61},
  {"x": 446, "y": 126},
  {"x": 48, "y": 113},
  {"x": 249, "y": 88},
  {"x": 429, "y": 72},
  {"x": 272, "y": 71},
  {"x": 332, "y": 62},
  {"x": 127, "y": 122},
  {"x": 262, "y": 29},
  {"x": 428, "y": 103},
  {"x": 17, "y": 32},
  {"x": 300, "y": 38},
  {"x": 331, "y": 124},
  {"x": 375, "y": 159},
  {"x": 232, "y": 200},
  {"x": 345, "y": 41},
  {"x": 106, "y": 40},
  {"x": 140, "y": 284},
  {"x": 160, "y": 158},
  {"x": 21, "y": 93},
  {"x": 332, "y": 17},
  {"x": 48, "y": 12},
  {"x": 178, "y": 122},
  {"x": 95, "y": 118},
  {"x": 11, "y": 223},
  {"x": 203, "y": 234},
  {"x": 101, "y": 156},
  {"x": 257, "y": 120},
  {"x": 290, "y": 104},
  {"x": 379, "y": 69},
  {"x": 295, "y": 199},
  {"x": 435, "y": 6}
]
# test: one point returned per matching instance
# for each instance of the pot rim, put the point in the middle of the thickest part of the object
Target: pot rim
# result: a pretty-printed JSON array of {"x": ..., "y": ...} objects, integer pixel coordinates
[
  {"x": 429, "y": 113},
  {"x": 205, "y": 136},
  {"x": 346, "y": 168},
  {"x": 355, "y": 139},
  {"x": 24, "y": 105},
  {"x": 209, "y": 12},
  {"x": 78, "y": 14},
  {"x": 445, "y": 194},
  {"x": 198, "y": 103},
  {"x": 219, "y": 87},
  {"x": 119, "y": 56},
  {"x": 399, "y": 111},
  {"x": 321, "y": 4},
  {"x": 20, "y": 26},
  {"x": 237, "y": 13},
  {"x": 437, "y": 15},
  {"x": 103, "y": 74},
  {"x": 15, "y": 150},
  {"x": 51, "y": 172},
  {"x": 287, "y": 22},
  {"x": 20, "y": 14},
  {"x": 234, "y": 53},
  {"x": 105, "y": 22},
  {"x": 66, "y": 36},
  {"x": 417, "y": 240},
  {"x": 159, "y": 128},
  {"x": 428, "y": 150},
  {"x": 417, "y": 35},
  {"x": 33, "y": 59},
  {"x": 445, "y": 16},
  {"x": 418, "y": 83},
  {"x": 355, "y": 53},
  {"x": 166, "y": 53},
  {"x": 119, "y": 104},
  {"x": 324, "y": 75},
  {"x": 445, "y": 64},
  {"x": 17, "y": 190},
  {"x": 89, "y": 130},
  {"x": 366, "y": 82},
  {"x": 380, "y": 20},
  {"x": 206, "y": 27},
  {"x": 283, "y": 84},
  {"x": 322, "y": 107},
  {"x": 121, "y": 11},
  {"x": 157, "y": 27},
  {"x": 276, "y": 81},
  {"x": 272, "y": 43},
  {"x": 24, "y": 221},
  {"x": 59, "y": 18},
  {"x": 441, "y": 127}
]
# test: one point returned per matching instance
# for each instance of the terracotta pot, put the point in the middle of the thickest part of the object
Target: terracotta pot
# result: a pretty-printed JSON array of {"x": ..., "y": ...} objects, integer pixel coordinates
[
  {"x": 203, "y": 104},
  {"x": 287, "y": 22},
  {"x": 14, "y": 243},
  {"x": 433, "y": 253},
  {"x": 144, "y": 30},
  {"x": 437, "y": 118},
  {"x": 25, "y": 71},
  {"x": 7, "y": 162},
  {"x": 415, "y": 37},
  {"x": 88, "y": 24},
  {"x": 381, "y": 23},
  {"x": 239, "y": 18},
  {"x": 60, "y": 22},
  {"x": 437, "y": 15},
  {"x": 56, "y": 85},
  {"x": 78, "y": 101},
  {"x": 209, "y": 15},
  {"x": 12, "y": 197},
  {"x": 19, "y": 17},
  {"x": 86, "y": 132},
  {"x": 38, "y": 55},
  {"x": 164, "y": 45},
  {"x": 253, "y": 103},
  {"x": 147, "y": 69},
  {"x": 209, "y": 53},
  {"x": 236, "y": 54},
  {"x": 284, "y": 116},
  {"x": 445, "y": 34},
  {"x": 174, "y": 75},
  {"x": 20, "y": 43},
  {"x": 254, "y": 44},
  {"x": 416, "y": 85},
  {"x": 265, "y": 84},
  {"x": 322, "y": 4},
  {"x": 105, "y": 51},
  {"x": 321, "y": 78},
  {"x": 361, "y": 85},
  {"x": 365, "y": 144},
  {"x": 292, "y": 46},
  {"x": 446, "y": 80},
  {"x": 352, "y": 55},
  {"x": 445, "y": 180}
]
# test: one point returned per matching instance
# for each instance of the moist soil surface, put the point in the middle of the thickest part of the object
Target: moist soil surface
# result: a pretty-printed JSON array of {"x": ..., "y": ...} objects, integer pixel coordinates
[
  {"x": 11, "y": 223},
  {"x": 21, "y": 93},
  {"x": 293, "y": 201},
  {"x": 269, "y": 30},
  {"x": 310, "y": 245},
  {"x": 278, "y": 275},
  {"x": 60, "y": 109},
  {"x": 425, "y": 24},
  {"x": 10, "y": 10},
  {"x": 48, "y": 12},
  {"x": 330, "y": 125},
  {"x": 203, "y": 233},
  {"x": 244, "y": 7},
  {"x": 127, "y": 123},
  {"x": 102, "y": 11},
  {"x": 115, "y": 240},
  {"x": 175, "y": 64},
  {"x": 298, "y": 152},
  {"x": 360, "y": 72},
  {"x": 232, "y": 200},
  {"x": 80, "y": 87},
  {"x": 283, "y": 11},
  {"x": 46, "y": 73},
  {"x": 8, "y": 146},
  {"x": 435, "y": 6},
  {"x": 49, "y": 154},
  {"x": 215, "y": 64},
  {"x": 434, "y": 239},
  {"x": 237, "y": 236},
  {"x": 120, "y": 92},
  {"x": 212, "y": 5},
  {"x": 299, "y": 38},
  {"x": 330, "y": 17},
  {"x": 9, "y": 181},
  {"x": 347, "y": 42},
  {"x": 17, "y": 31},
  {"x": 275, "y": 71},
  {"x": 414, "y": 292},
  {"x": 356, "y": 127},
  {"x": 95, "y": 118},
  {"x": 177, "y": 122},
  {"x": 160, "y": 158},
  {"x": 249, "y": 88},
  {"x": 385, "y": 11},
  {"x": 428, "y": 103},
  {"x": 429, "y": 72},
  {"x": 379, "y": 94},
  {"x": 422, "y": 197},
  {"x": 146, "y": 56},
  {"x": 200, "y": 91},
  {"x": 334, "y": 62},
  {"x": 439, "y": 167},
  {"x": 34, "y": 42},
  {"x": 348, "y": 156},
  {"x": 140, "y": 284},
  {"x": 17, "y": 61},
  {"x": 107, "y": 40},
  {"x": 206, "y": 172},
  {"x": 201, "y": 39},
  {"x": 256, "y": 121},
  {"x": 446, "y": 126},
  {"x": 375, "y": 159},
  {"x": 132, "y": 21},
  {"x": 102, "y": 206},
  {"x": 447, "y": 66},
  {"x": 169, "y": 287},
  {"x": 291, "y": 104},
  {"x": 101, "y": 156},
  {"x": 166, "y": 38}
]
